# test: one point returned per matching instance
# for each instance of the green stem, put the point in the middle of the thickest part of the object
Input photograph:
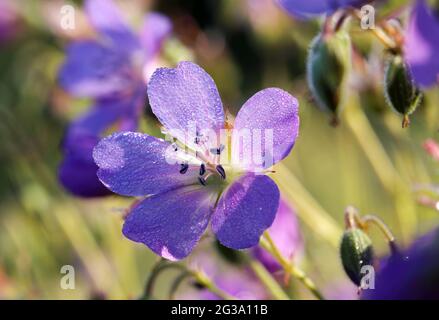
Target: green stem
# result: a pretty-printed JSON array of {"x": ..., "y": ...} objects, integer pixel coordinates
[
  {"x": 268, "y": 281},
  {"x": 391, "y": 180},
  {"x": 177, "y": 282},
  {"x": 309, "y": 210},
  {"x": 288, "y": 266},
  {"x": 150, "y": 283},
  {"x": 209, "y": 285}
]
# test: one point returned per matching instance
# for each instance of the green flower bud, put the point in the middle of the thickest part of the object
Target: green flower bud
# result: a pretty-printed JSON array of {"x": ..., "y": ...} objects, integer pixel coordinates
[
  {"x": 356, "y": 251},
  {"x": 400, "y": 90},
  {"x": 329, "y": 63}
]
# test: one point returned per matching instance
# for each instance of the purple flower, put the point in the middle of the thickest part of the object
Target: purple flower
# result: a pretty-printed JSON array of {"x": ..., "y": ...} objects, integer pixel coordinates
[
  {"x": 422, "y": 44},
  {"x": 309, "y": 8},
  {"x": 187, "y": 188},
  {"x": 286, "y": 235},
  {"x": 111, "y": 70},
  {"x": 411, "y": 275}
]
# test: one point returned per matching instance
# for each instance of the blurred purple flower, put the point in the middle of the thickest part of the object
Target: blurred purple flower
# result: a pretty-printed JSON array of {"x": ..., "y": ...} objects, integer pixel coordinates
[
  {"x": 310, "y": 8},
  {"x": 187, "y": 194},
  {"x": 111, "y": 71},
  {"x": 422, "y": 44},
  {"x": 411, "y": 275},
  {"x": 9, "y": 20},
  {"x": 286, "y": 235}
]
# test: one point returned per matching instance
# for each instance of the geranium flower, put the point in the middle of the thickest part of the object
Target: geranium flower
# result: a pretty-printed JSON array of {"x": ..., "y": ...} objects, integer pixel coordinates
[
  {"x": 285, "y": 233},
  {"x": 310, "y": 8},
  {"x": 186, "y": 190},
  {"x": 421, "y": 45},
  {"x": 110, "y": 69}
]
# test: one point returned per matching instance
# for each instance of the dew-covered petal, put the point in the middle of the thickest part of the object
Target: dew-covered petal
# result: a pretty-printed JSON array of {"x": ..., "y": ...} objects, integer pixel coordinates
[
  {"x": 265, "y": 129},
  {"x": 135, "y": 164},
  {"x": 309, "y": 8},
  {"x": 171, "y": 223},
  {"x": 245, "y": 210},
  {"x": 286, "y": 236},
  {"x": 156, "y": 28},
  {"x": 93, "y": 69},
  {"x": 186, "y": 101},
  {"x": 422, "y": 45}
]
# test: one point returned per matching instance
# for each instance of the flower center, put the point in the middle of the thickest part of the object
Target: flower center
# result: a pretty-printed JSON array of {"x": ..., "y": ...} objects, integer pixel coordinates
[{"x": 208, "y": 162}]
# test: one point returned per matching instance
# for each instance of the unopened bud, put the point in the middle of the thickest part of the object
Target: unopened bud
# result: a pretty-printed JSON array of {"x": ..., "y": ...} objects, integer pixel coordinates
[
  {"x": 356, "y": 251},
  {"x": 329, "y": 63},
  {"x": 400, "y": 90}
]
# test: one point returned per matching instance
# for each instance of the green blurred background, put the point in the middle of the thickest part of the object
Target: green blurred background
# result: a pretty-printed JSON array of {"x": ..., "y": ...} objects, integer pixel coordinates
[{"x": 368, "y": 161}]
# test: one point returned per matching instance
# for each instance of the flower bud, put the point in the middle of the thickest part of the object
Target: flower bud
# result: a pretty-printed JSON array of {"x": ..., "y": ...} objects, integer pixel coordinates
[
  {"x": 329, "y": 63},
  {"x": 400, "y": 90},
  {"x": 356, "y": 251}
]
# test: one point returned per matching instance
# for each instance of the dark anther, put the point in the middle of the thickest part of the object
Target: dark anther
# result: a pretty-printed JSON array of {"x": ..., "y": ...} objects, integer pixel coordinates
[
  {"x": 184, "y": 167},
  {"x": 217, "y": 151},
  {"x": 175, "y": 147},
  {"x": 221, "y": 171},
  {"x": 202, "y": 181},
  {"x": 198, "y": 136},
  {"x": 202, "y": 169}
]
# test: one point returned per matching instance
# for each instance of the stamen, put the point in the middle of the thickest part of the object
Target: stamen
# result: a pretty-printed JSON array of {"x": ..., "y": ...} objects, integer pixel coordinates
[
  {"x": 221, "y": 171},
  {"x": 202, "y": 169},
  {"x": 202, "y": 181},
  {"x": 184, "y": 168},
  {"x": 198, "y": 136},
  {"x": 217, "y": 151},
  {"x": 174, "y": 146}
]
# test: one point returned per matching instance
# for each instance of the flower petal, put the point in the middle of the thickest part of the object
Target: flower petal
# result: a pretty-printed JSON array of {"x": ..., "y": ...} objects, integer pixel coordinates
[
  {"x": 78, "y": 175},
  {"x": 171, "y": 223},
  {"x": 306, "y": 8},
  {"x": 286, "y": 236},
  {"x": 270, "y": 121},
  {"x": 135, "y": 164},
  {"x": 156, "y": 28},
  {"x": 77, "y": 172},
  {"x": 422, "y": 45},
  {"x": 246, "y": 209},
  {"x": 93, "y": 70},
  {"x": 185, "y": 100},
  {"x": 106, "y": 17}
]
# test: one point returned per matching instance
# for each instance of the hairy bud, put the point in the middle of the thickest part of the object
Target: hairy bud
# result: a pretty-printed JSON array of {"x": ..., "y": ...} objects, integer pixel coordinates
[
  {"x": 400, "y": 90},
  {"x": 329, "y": 63},
  {"x": 356, "y": 251}
]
